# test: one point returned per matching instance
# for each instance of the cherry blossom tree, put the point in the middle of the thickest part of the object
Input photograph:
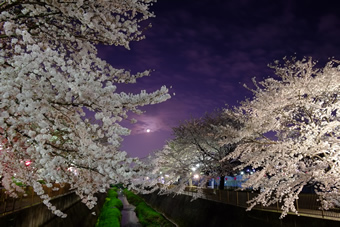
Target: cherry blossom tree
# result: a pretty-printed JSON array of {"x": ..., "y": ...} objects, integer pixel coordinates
[
  {"x": 196, "y": 150},
  {"x": 50, "y": 77},
  {"x": 201, "y": 135},
  {"x": 172, "y": 167},
  {"x": 291, "y": 133}
]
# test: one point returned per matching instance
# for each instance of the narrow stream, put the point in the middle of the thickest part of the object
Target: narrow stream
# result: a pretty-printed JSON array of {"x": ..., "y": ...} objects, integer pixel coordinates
[{"x": 129, "y": 218}]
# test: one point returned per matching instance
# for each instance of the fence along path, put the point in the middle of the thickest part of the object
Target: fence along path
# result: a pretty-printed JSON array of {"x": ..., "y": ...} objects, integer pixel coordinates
[
  {"x": 306, "y": 205},
  {"x": 9, "y": 204}
]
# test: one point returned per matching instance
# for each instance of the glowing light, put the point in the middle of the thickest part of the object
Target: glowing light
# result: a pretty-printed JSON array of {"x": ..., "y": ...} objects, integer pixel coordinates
[
  {"x": 27, "y": 163},
  {"x": 196, "y": 176},
  {"x": 73, "y": 170},
  {"x": 148, "y": 130}
]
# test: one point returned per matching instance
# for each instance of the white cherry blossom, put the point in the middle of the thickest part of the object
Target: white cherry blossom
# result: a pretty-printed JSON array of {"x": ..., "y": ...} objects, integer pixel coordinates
[
  {"x": 50, "y": 77},
  {"x": 291, "y": 134}
]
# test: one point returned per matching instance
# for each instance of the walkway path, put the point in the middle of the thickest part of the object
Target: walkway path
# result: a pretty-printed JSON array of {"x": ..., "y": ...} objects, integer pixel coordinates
[{"x": 129, "y": 218}]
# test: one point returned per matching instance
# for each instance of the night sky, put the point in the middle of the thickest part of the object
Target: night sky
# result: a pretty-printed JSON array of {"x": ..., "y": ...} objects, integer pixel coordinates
[{"x": 207, "y": 49}]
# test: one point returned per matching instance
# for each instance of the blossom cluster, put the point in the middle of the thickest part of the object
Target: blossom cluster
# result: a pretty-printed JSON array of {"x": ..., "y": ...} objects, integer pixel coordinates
[
  {"x": 289, "y": 132},
  {"x": 50, "y": 77},
  {"x": 195, "y": 153},
  {"x": 292, "y": 134}
]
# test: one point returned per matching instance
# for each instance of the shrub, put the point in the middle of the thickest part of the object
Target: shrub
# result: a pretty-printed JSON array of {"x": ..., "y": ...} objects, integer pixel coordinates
[{"x": 110, "y": 213}]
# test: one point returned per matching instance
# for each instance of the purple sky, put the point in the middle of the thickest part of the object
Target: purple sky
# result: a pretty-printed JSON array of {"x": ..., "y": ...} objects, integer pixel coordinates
[{"x": 207, "y": 49}]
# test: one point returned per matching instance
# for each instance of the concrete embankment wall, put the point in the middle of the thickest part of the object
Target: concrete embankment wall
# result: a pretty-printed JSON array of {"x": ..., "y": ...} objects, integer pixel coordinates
[
  {"x": 205, "y": 213},
  {"x": 38, "y": 215}
]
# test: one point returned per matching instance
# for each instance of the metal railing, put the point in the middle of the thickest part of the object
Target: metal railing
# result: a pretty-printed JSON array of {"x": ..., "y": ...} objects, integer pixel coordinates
[
  {"x": 29, "y": 198},
  {"x": 306, "y": 205}
]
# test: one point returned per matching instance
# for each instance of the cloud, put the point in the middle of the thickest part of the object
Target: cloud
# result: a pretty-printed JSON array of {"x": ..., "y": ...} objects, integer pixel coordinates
[
  {"x": 154, "y": 123},
  {"x": 160, "y": 117},
  {"x": 206, "y": 50}
]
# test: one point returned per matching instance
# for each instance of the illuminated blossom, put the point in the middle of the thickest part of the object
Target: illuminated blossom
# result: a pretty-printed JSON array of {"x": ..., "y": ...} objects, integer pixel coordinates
[{"x": 50, "y": 76}]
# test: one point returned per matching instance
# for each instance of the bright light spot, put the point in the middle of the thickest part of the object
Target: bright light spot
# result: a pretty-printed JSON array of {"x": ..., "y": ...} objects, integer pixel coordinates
[
  {"x": 197, "y": 165},
  {"x": 193, "y": 169},
  {"x": 166, "y": 175},
  {"x": 196, "y": 176},
  {"x": 27, "y": 163},
  {"x": 148, "y": 130},
  {"x": 242, "y": 173},
  {"x": 73, "y": 170}
]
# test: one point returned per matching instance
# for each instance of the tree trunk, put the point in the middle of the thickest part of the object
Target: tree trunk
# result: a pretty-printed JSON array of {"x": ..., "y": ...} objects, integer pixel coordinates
[
  {"x": 190, "y": 182},
  {"x": 221, "y": 186}
]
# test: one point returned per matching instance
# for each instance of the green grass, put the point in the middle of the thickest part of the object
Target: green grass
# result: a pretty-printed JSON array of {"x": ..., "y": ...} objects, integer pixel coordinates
[
  {"x": 146, "y": 215},
  {"x": 110, "y": 213},
  {"x": 132, "y": 198}
]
